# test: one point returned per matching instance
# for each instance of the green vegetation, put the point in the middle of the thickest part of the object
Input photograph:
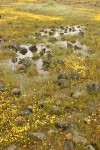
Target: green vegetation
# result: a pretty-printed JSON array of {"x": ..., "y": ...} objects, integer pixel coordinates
[{"x": 32, "y": 103}]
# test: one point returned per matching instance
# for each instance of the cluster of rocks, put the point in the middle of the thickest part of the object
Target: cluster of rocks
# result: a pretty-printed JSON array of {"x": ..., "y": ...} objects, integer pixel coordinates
[
  {"x": 62, "y": 30},
  {"x": 38, "y": 52}
]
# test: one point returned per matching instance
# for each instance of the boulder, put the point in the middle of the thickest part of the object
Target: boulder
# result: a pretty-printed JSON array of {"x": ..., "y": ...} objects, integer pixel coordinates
[
  {"x": 54, "y": 109},
  {"x": 23, "y": 50},
  {"x": 16, "y": 91},
  {"x": 77, "y": 47},
  {"x": 90, "y": 147},
  {"x": 41, "y": 103},
  {"x": 37, "y": 135},
  {"x": 62, "y": 81},
  {"x": 78, "y": 139},
  {"x": 64, "y": 125},
  {"x": 69, "y": 145},
  {"x": 33, "y": 48},
  {"x": 94, "y": 86},
  {"x": 12, "y": 147},
  {"x": 14, "y": 59}
]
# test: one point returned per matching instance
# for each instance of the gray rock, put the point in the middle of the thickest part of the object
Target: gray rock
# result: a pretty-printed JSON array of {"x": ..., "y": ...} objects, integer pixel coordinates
[
  {"x": 62, "y": 76},
  {"x": 12, "y": 147},
  {"x": 23, "y": 50},
  {"x": 30, "y": 108},
  {"x": 41, "y": 103},
  {"x": 26, "y": 112},
  {"x": 77, "y": 47},
  {"x": 77, "y": 138},
  {"x": 2, "y": 86},
  {"x": 14, "y": 59},
  {"x": 62, "y": 81},
  {"x": 81, "y": 33},
  {"x": 37, "y": 135},
  {"x": 54, "y": 109},
  {"x": 69, "y": 145},
  {"x": 70, "y": 29},
  {"x": 15, "y": 47},
  {"x": 37, "y": 34},
  {"x": 33, "y": 48},
  {"x": 69, "y": 45},
  {"x": 77, "y": 94},
  {"x": 90, "y": 147},
  {"x": 51, "y": 33},
  {"x": 73, "y": 41},
  {"x": 42, "y": 52},
  {"x": 16, "y": 91},
  {"x": 86, "y": 120},
  {"x": 94, "y": 86},
  {"x": 46, "y": 64},
  {"x": 64, "y": 125}
]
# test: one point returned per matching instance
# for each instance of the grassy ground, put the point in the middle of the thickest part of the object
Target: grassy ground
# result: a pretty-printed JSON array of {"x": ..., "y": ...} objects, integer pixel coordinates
[{"x": 18, "y": 19}]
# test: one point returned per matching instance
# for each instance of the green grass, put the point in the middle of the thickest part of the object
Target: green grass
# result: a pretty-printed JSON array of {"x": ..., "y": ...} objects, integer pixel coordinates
[{"x": 35, "y": 88}]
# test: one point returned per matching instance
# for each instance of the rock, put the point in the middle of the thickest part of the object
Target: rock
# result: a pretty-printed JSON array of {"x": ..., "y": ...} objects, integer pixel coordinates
[
  {"x": 45, "y": 31},
  {"x": 70, "y": 29},
  {"x": 61, "y": 62},
  {"x": 69, "y": 145},
  {"x": 37, "y": 135},
  {"x": 61, "y": 33},
  {"x": 77, "y": 94},
  {"x": 62, "y": 28},
  {"x": 42, "y": 52},
  {"x": 46, "y": 64},
  {"x": 18, "y": 119},
  {"x": 41, "y": 103},
  {"x": 62, "y": 76},
  {"x": 86, "y": 120},
  {"x": 16, "y": 91},
  {"x": 33, "y": 48},
  {"x": 73, "y": 41},
  {"x": 12, "y": 147},
  {"x": 2, "y": 86},
  {"x": 65, "y": 31},
  {"x": 23, "y": 50},
  {"x": 77, "y": 47},
  {"x": 69, "y": 45},
  {"x": 64, "y": 125},
  {"x": 26, "y": 112},
  {"x": 51, "y": 33},
  {"x": 37, "y": 34},
  {"x": 81, "y": 33},
  {"x": 53, "y": 39},
  {"x": 94, "y": 86},
  {"x": 91, "y": 51},
  {"x": 15, "y": 47},
  {"x": 30, "y": 108},
  {"x": 62, "y": 81},
  {"x": 14, "y": 59},
  {"x": 77, "y": 138},
  {"x": 90, "y": 147},
  {"x": 26, "y": 62},
  {"x": 54, "y": 109}
]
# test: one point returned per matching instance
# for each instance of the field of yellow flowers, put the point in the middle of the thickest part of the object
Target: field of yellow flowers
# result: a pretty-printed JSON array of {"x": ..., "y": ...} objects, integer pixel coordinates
[{"x": 55, "y": 106}]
